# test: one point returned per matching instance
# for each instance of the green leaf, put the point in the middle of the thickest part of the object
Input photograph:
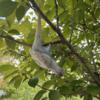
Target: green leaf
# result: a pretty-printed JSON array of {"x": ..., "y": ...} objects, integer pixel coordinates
[
  {"x": 2, "y": 22},
  {"x": 63, "y": 17},
  {"x": 25, "y": 27},
  {"x": 97, "y": 13},
  {"x": 45, "y": 98},
  {"x": 74, "y": 67},
  {"x": 39, "y": 95},
  {"x": 88, "y": 97},
  {"x": 33, "y": 81},
  {"x": 10, "y": 44},
  {"x": 18, "y": 81},
  {"x": 62, "y": 4},
  {"x": 14, "y": 32},
  {"x": 11, "y": 18},
  {"x": 20, "y": 12},
  {"x": 1, "y": 42},
  {"x": 54, "y": 95},
  {"x": 30, "y": 36},
  {"x": 6, "y": 68},
  {"x": 93, "y": 89},
  {"x": 65, "y": 90},
  {"x": 50, "y": 14},
  {"x": 49, "y": 83},
  {"x": 7, "y": 7}
]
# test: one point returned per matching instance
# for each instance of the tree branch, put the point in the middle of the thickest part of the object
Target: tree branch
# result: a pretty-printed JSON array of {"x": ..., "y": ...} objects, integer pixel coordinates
[
  {"x": 26, "y": 44},
  {"x": 53, "y": 43},
  {"x": 12, "y": 39},
  {"x": 64, "y": 41}
]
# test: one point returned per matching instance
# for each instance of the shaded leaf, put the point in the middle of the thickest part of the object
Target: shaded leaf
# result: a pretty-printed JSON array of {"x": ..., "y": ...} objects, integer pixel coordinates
[
  {"x": 33, "y": 81},
  {"x": 62, "y": 4},
  {"x": 93, "y": 89},
  {"x": 54, "y": 95},
  {"x": 88, "y": 97},
  {"x": 65, "y": 90},
  {"x": 18, "y": 81},
  {"x": 10, "y": 44},
  {"x": 39, "y": 95},
  {"x": 7, "y": 7},
  {"x": 20, "y": 12},
  {"x": 13, "y": 31},
  {"x": 45, "y": 98},
  {"x": 2, "y": 44}
]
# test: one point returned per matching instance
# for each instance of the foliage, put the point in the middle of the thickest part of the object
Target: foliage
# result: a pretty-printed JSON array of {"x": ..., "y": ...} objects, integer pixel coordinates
[{"x": 79, "y": 22}]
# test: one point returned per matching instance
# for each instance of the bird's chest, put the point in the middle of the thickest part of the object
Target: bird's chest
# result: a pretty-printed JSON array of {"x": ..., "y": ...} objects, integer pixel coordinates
[{"x": 38, "y": 58}]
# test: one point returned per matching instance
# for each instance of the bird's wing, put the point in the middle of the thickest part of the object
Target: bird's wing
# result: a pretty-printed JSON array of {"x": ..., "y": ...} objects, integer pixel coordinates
[
  {"x": 51, "y": 64},
  {"x": 47, "y": 49}
]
